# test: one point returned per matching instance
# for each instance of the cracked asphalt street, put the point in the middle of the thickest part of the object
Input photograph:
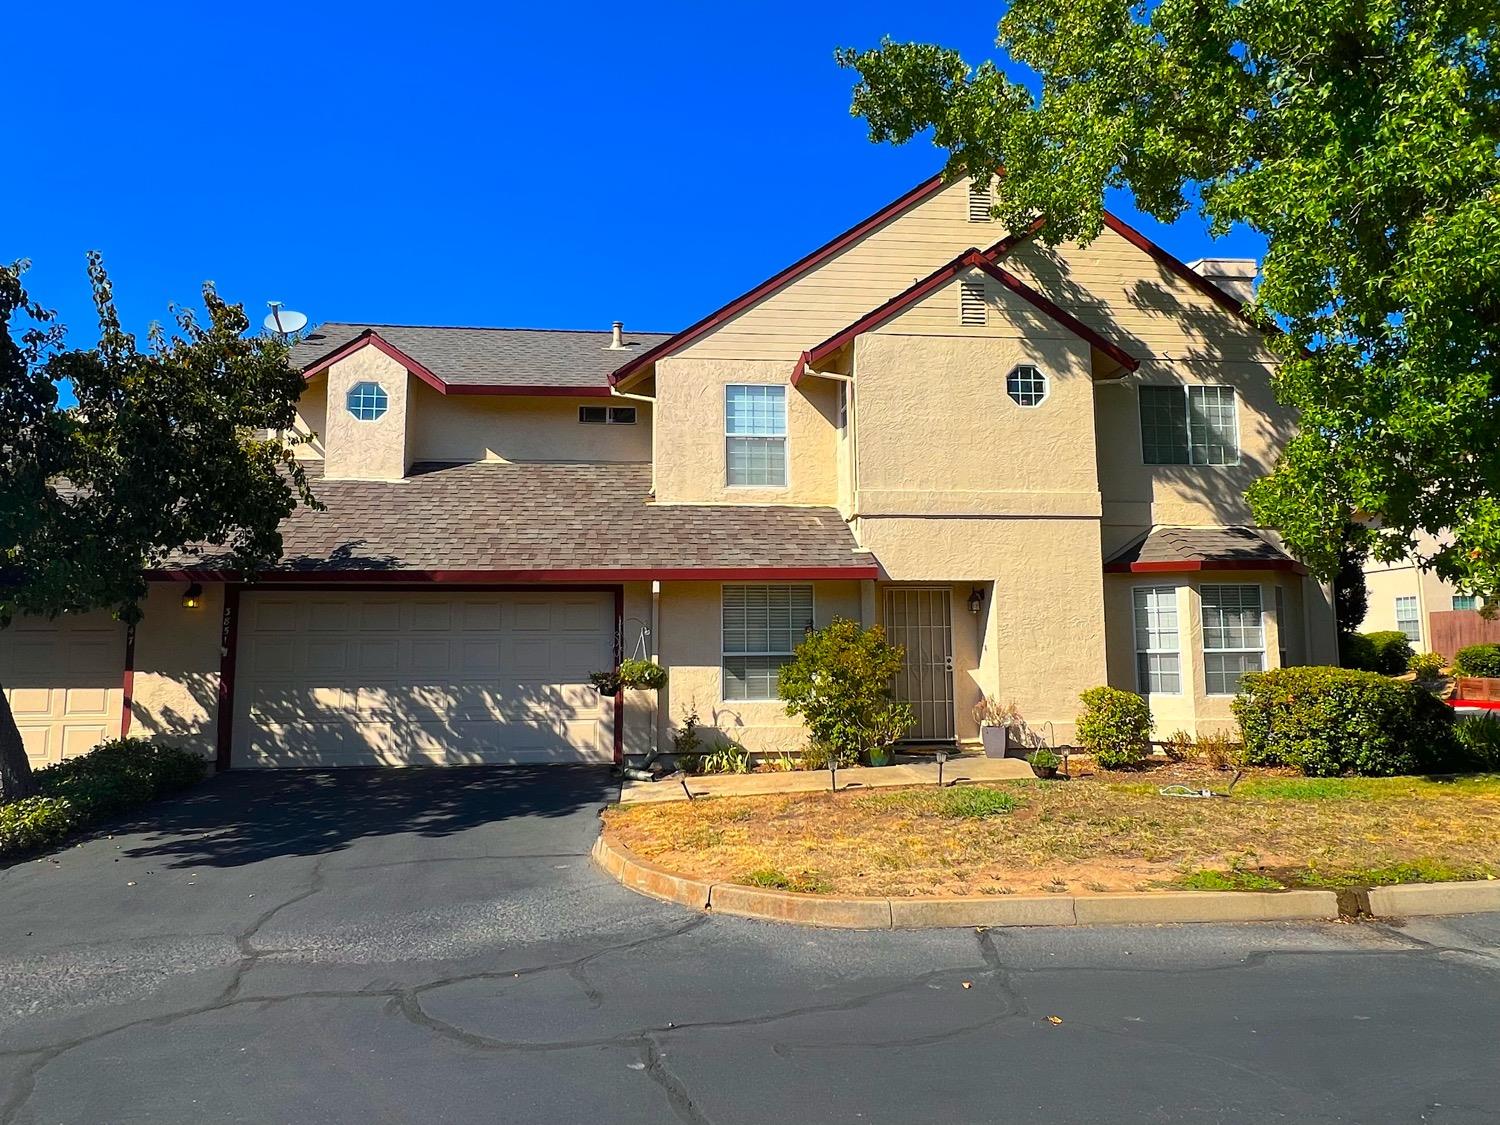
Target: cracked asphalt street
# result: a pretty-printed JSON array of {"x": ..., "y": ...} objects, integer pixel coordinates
[{"x": 436, "y": 946}]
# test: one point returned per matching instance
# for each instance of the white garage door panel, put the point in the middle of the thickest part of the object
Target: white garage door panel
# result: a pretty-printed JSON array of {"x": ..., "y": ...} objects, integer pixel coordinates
[
  {"x": 63, "y": 679},
  {"x": 388, "y": 679}
]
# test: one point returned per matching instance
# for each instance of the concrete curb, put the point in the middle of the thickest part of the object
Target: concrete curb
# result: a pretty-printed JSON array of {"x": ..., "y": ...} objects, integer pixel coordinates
[
  {"x": 1413, "y": 899},
  {"x": 991, "y": 910}
]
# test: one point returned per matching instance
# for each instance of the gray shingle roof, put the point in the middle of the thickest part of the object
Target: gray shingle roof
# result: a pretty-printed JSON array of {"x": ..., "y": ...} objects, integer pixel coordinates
[
  {"x": 491, "y": 356},
  {"x": 1221, "y": 545},
  {"x": 543, "y": 517}
]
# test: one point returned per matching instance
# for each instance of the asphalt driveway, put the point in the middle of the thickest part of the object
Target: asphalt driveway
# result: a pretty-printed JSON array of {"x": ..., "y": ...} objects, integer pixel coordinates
[{"x": 435, "y": 945}]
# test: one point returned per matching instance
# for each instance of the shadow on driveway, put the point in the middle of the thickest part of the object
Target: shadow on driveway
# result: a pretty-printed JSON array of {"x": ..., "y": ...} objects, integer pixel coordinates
[{"x": 244, "y": 817}]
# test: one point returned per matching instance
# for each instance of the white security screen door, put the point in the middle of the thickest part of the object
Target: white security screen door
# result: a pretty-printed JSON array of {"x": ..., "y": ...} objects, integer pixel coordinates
[{"x": 920, "y": 621}]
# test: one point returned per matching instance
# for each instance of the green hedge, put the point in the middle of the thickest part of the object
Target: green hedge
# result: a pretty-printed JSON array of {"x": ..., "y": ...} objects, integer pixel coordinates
[
  {"x": 1387, "y": 652},
  {"x": 1331, "y": 721},
  {"x": 1477, "y": 660},
  {"x": 1115, "y": 726},
  {"x": 112, "y": 777}
]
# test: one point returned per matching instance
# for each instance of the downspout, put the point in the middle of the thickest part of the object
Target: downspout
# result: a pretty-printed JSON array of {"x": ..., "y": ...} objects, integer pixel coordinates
[
  {"x": 656, "y": 659},
  {"x": 849, "y": 385}
]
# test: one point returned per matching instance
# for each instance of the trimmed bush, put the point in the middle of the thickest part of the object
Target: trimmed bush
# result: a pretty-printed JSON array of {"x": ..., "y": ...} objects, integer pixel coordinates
[
  {"x": 1477, "y": 660},
  {"x": 112, "y": 777},
  {"x": 1356, "y": 651},
  {"x": 838, "y": 682},
  {"x": 1115, "y": 727},
  {"x": 1428, "y": 666},
  {"x": 1392, "y": 652},
  {"x": 1331, "y": 721}
]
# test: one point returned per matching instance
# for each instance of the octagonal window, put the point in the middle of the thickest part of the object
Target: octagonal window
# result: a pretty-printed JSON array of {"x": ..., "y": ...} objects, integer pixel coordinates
[
  {"x": 1026, "y": 385},
  {"x": 367, "y": 401}
]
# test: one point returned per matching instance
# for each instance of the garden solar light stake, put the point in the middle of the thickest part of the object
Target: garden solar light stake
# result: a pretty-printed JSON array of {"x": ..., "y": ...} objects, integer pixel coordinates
[{"x": 942, "y": 756}]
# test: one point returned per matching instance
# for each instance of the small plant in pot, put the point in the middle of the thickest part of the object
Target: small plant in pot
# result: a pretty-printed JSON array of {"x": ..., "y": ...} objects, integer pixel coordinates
[
  {"x": 645, "y": 675},
  {"x": 1043, "y": 762}
]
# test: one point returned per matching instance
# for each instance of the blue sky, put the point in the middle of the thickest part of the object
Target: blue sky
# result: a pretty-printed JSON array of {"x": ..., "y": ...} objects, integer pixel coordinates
[{"x": 556, "y": 165}]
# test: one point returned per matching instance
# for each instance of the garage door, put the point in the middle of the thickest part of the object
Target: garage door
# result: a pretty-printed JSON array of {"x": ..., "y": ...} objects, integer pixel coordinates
[
  {"x": 64, "y": 681},
  {"x": 403, "y": 679}
]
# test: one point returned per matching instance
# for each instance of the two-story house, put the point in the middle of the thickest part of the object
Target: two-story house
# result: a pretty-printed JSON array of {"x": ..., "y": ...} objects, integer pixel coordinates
[{"x": 1027, "y": 463}]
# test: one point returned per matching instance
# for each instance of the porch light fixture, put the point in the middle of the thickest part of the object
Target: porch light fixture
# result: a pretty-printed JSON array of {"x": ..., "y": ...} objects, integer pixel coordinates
[
  {"x": 976, "y": 600},
  {"x": 192, "y": 597}
]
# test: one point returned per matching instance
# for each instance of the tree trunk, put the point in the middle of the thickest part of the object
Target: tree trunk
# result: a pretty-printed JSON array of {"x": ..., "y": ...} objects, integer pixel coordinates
[{"x": 15, "y": 770}]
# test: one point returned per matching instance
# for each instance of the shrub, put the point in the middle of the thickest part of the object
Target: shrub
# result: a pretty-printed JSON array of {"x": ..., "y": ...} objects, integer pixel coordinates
[
  {"x": 1356, "y": 651},
  {"x": 1392, "y": 652},
  {"x": 1479, "y": 738},
  {"x": 731, "y": 757},
  {"x": 1115, "y": 727},
  {"x": 1477, "y": 660},
  {"x": 839, "y": 682},
  {"x": 1220, "y": 751},
  {"x": 110, "y": 778},
  {"x": 1180, "y": 746},
  {"x": 1428, "y": 666},
  {"x": 1330, "y": 721}
]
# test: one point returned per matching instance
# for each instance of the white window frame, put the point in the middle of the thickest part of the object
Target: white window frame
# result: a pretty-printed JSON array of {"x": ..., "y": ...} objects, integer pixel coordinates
[
  {"x": 612, "y": 416},
  {"x": 1187, "y": 398},
  {"x": 366, "y": 390},
  {"x": 784, "y": 437},
  {"x": 1040, "y": 374},
  {"x": 1471, "y": 602},
  {"x": 725, "y": 655},
  {"x": 1260, "y": 596},
  {"x": 1415, "y": 603},
  {"x": 1144, "y": 687}
]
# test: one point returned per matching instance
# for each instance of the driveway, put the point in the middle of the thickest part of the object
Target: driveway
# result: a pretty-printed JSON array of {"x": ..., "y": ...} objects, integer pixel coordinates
[{"x": 435, "y": 945}]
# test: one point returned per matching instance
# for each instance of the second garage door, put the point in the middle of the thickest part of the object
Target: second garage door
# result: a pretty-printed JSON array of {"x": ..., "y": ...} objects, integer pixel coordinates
[{"x": 422, "y": 678}]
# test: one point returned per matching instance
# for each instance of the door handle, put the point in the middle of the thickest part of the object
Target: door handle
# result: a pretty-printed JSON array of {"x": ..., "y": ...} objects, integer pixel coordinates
[{"x": 947, "y": 664}]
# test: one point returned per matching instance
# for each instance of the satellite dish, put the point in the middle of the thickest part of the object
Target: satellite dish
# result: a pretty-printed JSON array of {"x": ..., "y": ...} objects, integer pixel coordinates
[{"x": 284, "y": 322}]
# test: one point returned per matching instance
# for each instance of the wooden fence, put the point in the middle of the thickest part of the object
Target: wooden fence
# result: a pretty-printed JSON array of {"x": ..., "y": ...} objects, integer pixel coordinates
[{"x": 1453, "y": 629}]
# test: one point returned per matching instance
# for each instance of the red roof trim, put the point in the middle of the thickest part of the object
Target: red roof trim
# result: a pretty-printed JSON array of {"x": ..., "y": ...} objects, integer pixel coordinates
[
  {"x": 370, "y": 338},
  {"x": 1188, "y": 566},
  {"x": 603, "y": 574},
  {"x": 969, "y": 259},
  {"x": 1174, "y": 264},
  {"x": 916, "y": 195}
]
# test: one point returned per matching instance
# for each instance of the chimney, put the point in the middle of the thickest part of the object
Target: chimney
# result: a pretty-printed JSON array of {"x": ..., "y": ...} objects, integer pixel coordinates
[
  {"x": 616, "y": 336},
  {"x": 1236, "y": 276}
]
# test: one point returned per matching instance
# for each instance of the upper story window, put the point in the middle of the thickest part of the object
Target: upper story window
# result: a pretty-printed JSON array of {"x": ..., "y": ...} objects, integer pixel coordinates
[
  {"x": 367, "y": 401},
  {"x": 1192, "y": 425},
  {"x": 607, "y": 415},
  {"x": 755, "y": 436},
  {"x": 1026, "y": 385},
  {"x": 1409, "y": 619},
  {"x": 1465, "y": 601},
  {"x": 981, "y": 203}
]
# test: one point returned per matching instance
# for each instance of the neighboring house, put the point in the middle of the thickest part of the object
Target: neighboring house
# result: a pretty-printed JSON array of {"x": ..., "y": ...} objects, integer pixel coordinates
[
  {"x": 1027, "y": 463},
  {"x": 1405, "y": 598}
]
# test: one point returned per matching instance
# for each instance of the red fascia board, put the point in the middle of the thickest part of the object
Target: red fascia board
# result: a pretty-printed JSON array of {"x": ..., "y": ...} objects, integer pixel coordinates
[
  {"x": 969, "y": 259},
  {"x": 922, "y": 191},
  {"x": 369, "y": 338},
  {"x": 1188, "y": 566},
  {"x": 1176, "y": 265},
  {"x": 528, "y": 577}
]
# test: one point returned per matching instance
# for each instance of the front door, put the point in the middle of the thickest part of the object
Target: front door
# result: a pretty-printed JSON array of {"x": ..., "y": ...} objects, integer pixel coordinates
[{"x": 920, "y": 621}]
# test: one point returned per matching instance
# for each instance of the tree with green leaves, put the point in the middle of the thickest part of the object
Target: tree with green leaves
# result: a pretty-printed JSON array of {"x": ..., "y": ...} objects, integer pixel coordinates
[
  {"x": 167, "y": 450},
  {"x": 1361, "y": 138},
  {"x": 839, "y": 681}
]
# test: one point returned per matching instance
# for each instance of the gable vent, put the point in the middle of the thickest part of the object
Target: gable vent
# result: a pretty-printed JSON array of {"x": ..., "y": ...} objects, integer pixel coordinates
[
  {"x": 971, "y": 308},
  {"x": 981, "y": 200}
]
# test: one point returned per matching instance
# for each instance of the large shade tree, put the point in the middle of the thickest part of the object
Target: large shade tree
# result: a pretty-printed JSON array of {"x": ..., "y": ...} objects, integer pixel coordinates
[
  {"x": 170, "y": 448},
  {"x": 1360, "y": 137}
]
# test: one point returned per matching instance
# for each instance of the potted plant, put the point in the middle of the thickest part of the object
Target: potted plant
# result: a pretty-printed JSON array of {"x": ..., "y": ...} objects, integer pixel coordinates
[
  {"x": 646, "y": 675},
  {"x": 1044, "y": 762},
  {"x": 1002, "y": 728},
  {"x": 881, "y": 755}
]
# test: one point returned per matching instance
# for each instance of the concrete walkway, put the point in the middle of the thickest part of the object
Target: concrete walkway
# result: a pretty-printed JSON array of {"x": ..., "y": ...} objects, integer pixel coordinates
[{"x": 960, "y": 770}]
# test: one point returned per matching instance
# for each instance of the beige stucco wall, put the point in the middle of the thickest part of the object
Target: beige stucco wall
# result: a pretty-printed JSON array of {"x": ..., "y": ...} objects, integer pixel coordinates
[
  {"x": 691, "y": 649},
  {"x": 521, "y": 428},
  {"x": 177, "y": 668},
  {"x": 378, "y": 450},
  {"x": 1388, "y": 581},
  {"x": 689, "y": 421}
]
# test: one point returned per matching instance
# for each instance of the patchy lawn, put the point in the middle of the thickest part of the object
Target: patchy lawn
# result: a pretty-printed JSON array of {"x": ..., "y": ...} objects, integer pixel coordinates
[{"x": 1110, "y": 832}]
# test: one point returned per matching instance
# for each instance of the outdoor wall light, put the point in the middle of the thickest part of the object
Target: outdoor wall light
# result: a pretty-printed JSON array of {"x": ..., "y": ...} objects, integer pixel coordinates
[
  {"x": 192, "y": 597},
  {"x": 976, "y": 600}
]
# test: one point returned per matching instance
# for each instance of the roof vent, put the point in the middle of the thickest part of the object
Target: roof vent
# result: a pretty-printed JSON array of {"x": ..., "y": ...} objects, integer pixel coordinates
[
  {"x": 1236, "y": 276},
  {"x": 981, "y": 203},
  {"x": 971, "y": 308},
  {"x": 617, "y": 336}
]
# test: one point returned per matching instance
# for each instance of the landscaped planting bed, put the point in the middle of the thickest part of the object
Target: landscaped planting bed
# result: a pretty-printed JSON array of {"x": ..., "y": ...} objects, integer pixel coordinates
[{"x": 1108, "y": 832}]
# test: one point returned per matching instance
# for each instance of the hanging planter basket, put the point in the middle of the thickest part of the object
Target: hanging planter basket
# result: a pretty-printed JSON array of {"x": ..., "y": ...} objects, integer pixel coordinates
[{"x": 642, "y": 675}]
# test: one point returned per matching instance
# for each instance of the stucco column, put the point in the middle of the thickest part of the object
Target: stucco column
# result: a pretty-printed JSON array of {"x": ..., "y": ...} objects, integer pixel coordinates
[{"x": 867, "y": 614}]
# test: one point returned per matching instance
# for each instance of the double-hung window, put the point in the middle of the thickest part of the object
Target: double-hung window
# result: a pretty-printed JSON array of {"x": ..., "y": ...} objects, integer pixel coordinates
[
  {"x": 1192, "y": 425},
  {"x": 1234, "y": 636},
  {"x": 755, "y": 436},
  {"x": 763, "y": 625},
  {"x": 1409, "y": 619},
  {"x": 1158, "y": 669},
  {"x": 1465, "y": 601}
]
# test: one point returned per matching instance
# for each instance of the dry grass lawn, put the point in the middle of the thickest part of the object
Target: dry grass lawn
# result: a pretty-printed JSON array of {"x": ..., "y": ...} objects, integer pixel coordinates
[{"x": 1111, "y": 832}]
